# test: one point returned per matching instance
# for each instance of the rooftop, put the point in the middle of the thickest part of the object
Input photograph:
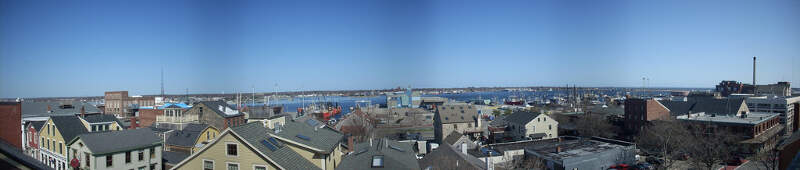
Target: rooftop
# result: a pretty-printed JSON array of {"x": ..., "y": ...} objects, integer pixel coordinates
[
  {"x": 576, "y": 147},
  {"x": 751, "y": 118},
  {"x": 396, "y": 155},
  {"x": 115, "y": 141}
]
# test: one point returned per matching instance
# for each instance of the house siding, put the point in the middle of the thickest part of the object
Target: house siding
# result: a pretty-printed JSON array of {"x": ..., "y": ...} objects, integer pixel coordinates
[{"x": 217, "y": 152}]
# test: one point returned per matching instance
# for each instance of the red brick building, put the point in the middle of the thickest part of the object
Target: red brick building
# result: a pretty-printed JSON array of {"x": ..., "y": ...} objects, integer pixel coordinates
[
  {"x": 148, "y": 116},
  {"x": 11, "y": 123},
  {"x": 638, "y": 112}
]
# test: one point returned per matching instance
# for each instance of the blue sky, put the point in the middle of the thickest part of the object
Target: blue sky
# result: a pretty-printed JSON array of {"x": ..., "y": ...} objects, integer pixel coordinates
[{"x": 83, "y": 48}]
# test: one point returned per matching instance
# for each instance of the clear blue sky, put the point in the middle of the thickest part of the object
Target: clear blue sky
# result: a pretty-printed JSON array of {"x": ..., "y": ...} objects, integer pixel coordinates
[{"x": 83, "y": 48}]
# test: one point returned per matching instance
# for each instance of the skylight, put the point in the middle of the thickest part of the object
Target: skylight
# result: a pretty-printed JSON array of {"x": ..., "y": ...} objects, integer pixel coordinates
[
  {"x": 303, "y": 137},
  {"x": 377, "y": 161},
  {"x": 269, "y": 145},
  {"x": 312, "y": 122},
  {"x": 274, "y": 142}
]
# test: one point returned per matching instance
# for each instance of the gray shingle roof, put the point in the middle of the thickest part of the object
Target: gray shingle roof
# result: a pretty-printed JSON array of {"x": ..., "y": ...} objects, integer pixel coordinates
[
  {"x": 101, "y": 143},
  {"x": 35, "y": 109},
  {"x": 324, "y": 138},
  {"x": 173, "y": 158},
  {"x": 254, "y": 132},
  {"x": 457, "y": 113},
  {"x": 214, "y": 105},
  {"x": 361, "y": 158},
  {"x": 187, "y": 136},
  {"x": 452, "y": 138},
  {"x": 446, "y": 157},
  {"x": 36, "y": 124},
  {"x": 521, "y": 117},
  {"x": 709, "y": 105},
  {"x": 69, "y": 126}
]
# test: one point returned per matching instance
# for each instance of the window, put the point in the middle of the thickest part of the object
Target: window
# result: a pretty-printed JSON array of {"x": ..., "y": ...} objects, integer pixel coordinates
[
  {"x": 109, "y": 160},
  {"x": 208, "y": 135},
  {"x": 260, "y": 167},
  {"x": 455, "y": 126},
  {"x": 152, "y": 153},
  {"x": 232, "y": 150},
  {"x": 233, "y": 166},
  {"x": 208, "y": 165},
  {"x": 86, "y": 156},
  {"x": 128, "y": 157},
  {"x": 550, "y": 127},
  {"x": 142, "y": 168},
  {"x": 60, "y": 149},
  {"x": 141, "y": 155}
]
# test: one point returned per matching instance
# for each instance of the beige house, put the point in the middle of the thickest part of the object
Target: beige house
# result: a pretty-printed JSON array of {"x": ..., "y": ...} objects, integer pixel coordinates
[
  {"x": 461, "y": 118},
  {"x": 249, "y": 146},
  {"x": 531, "y": 126}
]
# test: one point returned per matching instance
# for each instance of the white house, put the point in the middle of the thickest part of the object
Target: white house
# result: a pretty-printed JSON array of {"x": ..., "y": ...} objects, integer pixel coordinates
[
  {"x": 137, "y": 149},
  {"x": 531, "y": 126}
]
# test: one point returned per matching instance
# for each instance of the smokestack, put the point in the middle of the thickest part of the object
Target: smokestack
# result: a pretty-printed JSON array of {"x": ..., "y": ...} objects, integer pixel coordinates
[{"x": 754, "y": 71}]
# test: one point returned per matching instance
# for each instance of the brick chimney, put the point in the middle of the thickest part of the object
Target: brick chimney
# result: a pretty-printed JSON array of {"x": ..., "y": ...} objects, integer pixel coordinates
[
  {"x": 134, "y": 125},
  {"x": 49, "y": 109},
  {"x": 351, "y": 144},
  {"x": 558, "y": 149}
]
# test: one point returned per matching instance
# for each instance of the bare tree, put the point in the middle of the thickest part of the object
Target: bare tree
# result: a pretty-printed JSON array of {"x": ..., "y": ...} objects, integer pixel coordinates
[
  {"x": 767, "y": 158},
  {"x": 709, "y": 147},
  {"x": 595, "y": 125},
  {"x": 666, "y": 137}
]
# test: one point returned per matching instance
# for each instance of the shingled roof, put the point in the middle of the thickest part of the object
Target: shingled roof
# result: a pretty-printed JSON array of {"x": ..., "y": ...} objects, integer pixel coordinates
[
  {"x": 255, "y": 132},
  {"x": 221, "y": 108},
  {"x": 35, "y": 124},
  {"x": 101, "y": 143},
  {"x": 396, "y": 155},
  {"x": 187, "y": 136},
  {"x": 69, "y": 126},
  {"x": 726, "y": 106},
  {"x": 446, "y": 157},
  {"x": 457, "y": 113},
  {"x": 521, "y": 117},
  {"x": 321, "y": 138}
]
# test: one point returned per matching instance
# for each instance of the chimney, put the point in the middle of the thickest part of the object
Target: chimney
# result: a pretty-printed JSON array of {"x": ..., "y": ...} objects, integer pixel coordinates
[
  {"x": 83, "y": 112},
  {"x": 351, "y": 144},
  {"x": 49, "y": 109},
  {"x": 134, "y": 124},
  {"x": 558, "y": 149}
]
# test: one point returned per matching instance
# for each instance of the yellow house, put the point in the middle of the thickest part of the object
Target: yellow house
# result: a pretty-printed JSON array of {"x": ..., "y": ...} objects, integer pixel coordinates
[
  {"x": 313, "y": 140},
  {"x": 191, "y": 138},
  {"x": 249, "y": 146},
  {"x": 206, "y": 136},
  {"x": 58, "y": 130}
]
